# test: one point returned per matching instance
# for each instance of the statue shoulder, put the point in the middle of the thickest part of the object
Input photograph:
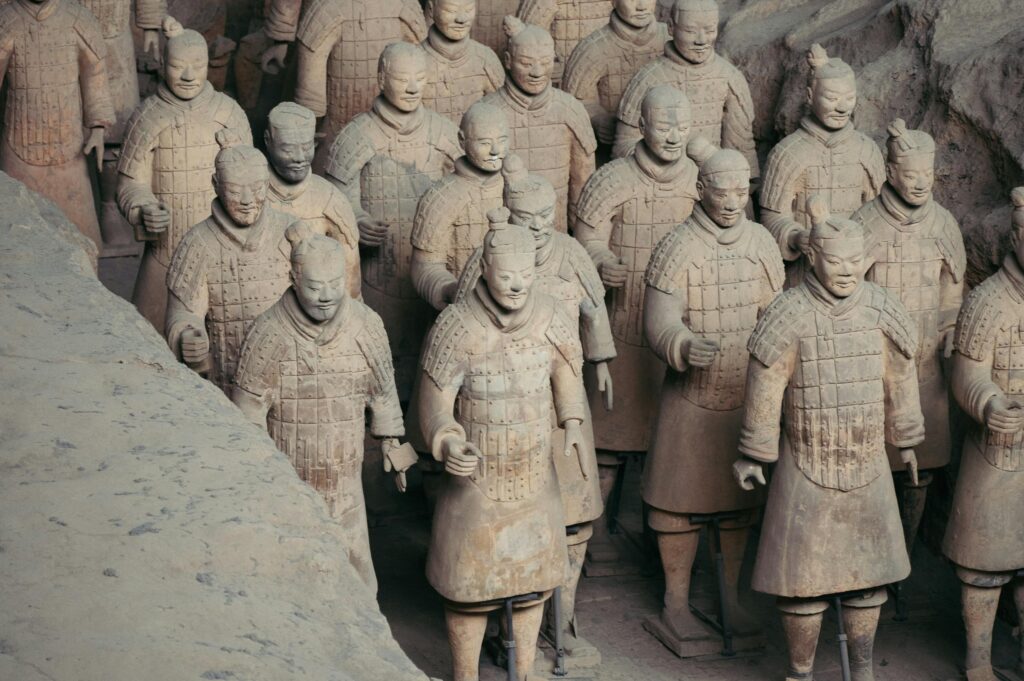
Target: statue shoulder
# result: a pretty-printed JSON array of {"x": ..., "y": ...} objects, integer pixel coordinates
[
  {"x": 267, "y": 342},
  {"x": 951, "y": 242},
  {"x": 372, "y": 339},
  {"x": 981, "y": 316},
  {"x": 443, "y": 134},
  {"x": 560, "y": 331},
  {"x": 609, "y": 187},
  {"x": 649, "y": 75},
  {"x": 893, "y": 318},
  {"x": 767, "y": 253},
  {"x": 352, "y": 148},
  {"x": 785, "y": 164},
  {"x": 319, "y": 21},
  {"x": 575, "y": 116},
  {"x": 185, "y": 274},
  {"x": 786, "y": 319},
  {"x": 446, "y": 344},
  {"x": 671, "y": 257},
  {"x": 437, "y": 207}
]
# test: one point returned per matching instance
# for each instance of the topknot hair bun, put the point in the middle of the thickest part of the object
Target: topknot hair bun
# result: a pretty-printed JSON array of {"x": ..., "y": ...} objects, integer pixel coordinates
[
  {"x": 228, "y": 138},
  {"x": 817, "y": 56},
  {"x": 700, "y": 149},
  {"x": 513, "y": 26},
  {"x": 818, "y": 209},
  {"x": 172, "y": 28}
]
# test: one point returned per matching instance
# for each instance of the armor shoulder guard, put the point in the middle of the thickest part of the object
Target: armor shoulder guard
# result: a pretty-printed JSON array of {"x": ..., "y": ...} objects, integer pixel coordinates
[
  {"x": 670, "y": 257},
  {"x": 951, "y": 244},
  {"x": 229, "y": 114},
  {"x": 188, "y": 264},
  {"x": 575, "y": 116},
  {"x": 444, "y": 135},
  {"x": 583, "y": 268},
  {"x": 435, "y": 210},
  {"x": 339, "y": 212},
  {"x": 562, "y": 333},
  {"x": 441, "y": 359},
  {"x": 88, "y": 29},
  {"x": 470, "y": 274},
  {"x": 605, "y": 191},
  {"x": 493, "y": 68},
  {"x": 767, "y": 251},
  {"x": 647, "y": 77},
  {"x": 538, "y": 12},
  {"x": 411, "y": 14},
  {"x": 141, "y": 133},
  {"x": 319, "y": 20},
  {"x": 785, "y": 320},
  {"x": 872, "y": 161},
  {"x": 265, "y": 345},
  {"x": 782, "y": 168},
  {"x": 351, "y": 150},
  {"x": 373, "y": 342},
  {"x": 893, "y": 319},
  {"x": 585, "y": 65},
  {"x": 980, "y": 318}
]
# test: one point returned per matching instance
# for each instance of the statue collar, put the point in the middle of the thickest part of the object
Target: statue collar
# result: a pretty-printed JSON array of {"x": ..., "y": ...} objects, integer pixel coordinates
[
  {"x": 834, "y": 306},
  {"x": 723, "y": 235},
  {"x": 657, "y": 170},
  {"x": 631, "y": 34},
  {"x": 524, "y": 100},
  {"x": 468, "y": 171},
  {"x": 673, "y": 54},
  {"x": 901, "y": 214},
  {"x": 204, "y": 96},
  {"x": 404, "y": 123},
  {"x": 452, "y": 50},
  {"x": 1013, "y": 272},
  {"x": 320, "y": 333},
  {"x": 286, "y": 191},
  {"x": 504, "y": 320},
  {"x": 829, "y": 138},
  {"x": 41, "y": 11},
  {"x": 249, "y": 238}
]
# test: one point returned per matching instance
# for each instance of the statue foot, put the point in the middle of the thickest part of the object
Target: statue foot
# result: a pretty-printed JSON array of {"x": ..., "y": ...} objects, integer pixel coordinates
[
  {"x": 982, "y": 674},
  {"x": 685, "y": 626},
  {"x": 862, "y": 672}
]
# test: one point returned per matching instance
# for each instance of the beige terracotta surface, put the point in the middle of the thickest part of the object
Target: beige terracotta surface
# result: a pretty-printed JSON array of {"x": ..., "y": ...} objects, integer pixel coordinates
[
  {"x": 568, "y": 21},
  {"x": 488, "y": 29},
  {"x": 602, "y": 64},
  {"x": 311, "y": 367},
  {"x": 550, "y": 129},
  {"x": 384, "y": 161},
  {"x": 460, "y": 70}
]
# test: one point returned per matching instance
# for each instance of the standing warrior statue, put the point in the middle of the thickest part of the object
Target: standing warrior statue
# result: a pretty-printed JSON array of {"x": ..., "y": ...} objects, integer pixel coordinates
[
  {"x": 167, "y": 161},
  {"x": 568, "y": 22},
  {"x": 499, "y": 368},
  {"x": 311, "y": 367},
  {"x": 835, "y": 358},
  {"x": 550, "y": 129},
  {"x": 919, "y": 257},
  {"x": 384, "y": 160},
  {"x": 566, "y": 273},
  {"x": 826, "y": 156},
  {"x": 604, "y": 62},
  {"x": 229, "y": 268},
  {"x": 460, "y": 70},
  {"x": 984, "y": 537},
  {"x": 280, "y": 25},
  {"x": 723, "y": 110},
  {"x": 625, "y": 210},
  {"x": 295, "y": 190},
  {"x": 339, "y": 44},
  {"x": 451, "y": 219},
  {"x": 52, "y": 56},
  {"x": 708, "y": 282}
]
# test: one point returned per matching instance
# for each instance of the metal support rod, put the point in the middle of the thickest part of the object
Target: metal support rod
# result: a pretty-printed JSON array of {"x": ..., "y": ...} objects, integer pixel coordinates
[
  {"x": 556, "y": 607},
  {"x": 510, "y": 643},
  {"x": 844, "y": 648}
]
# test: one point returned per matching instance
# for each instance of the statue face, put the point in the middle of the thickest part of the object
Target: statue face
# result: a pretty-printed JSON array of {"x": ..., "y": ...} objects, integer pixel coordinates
[
  {"x": 913, "y": 177},
  {"x": 530, "y": 65},
  {"x": 290, "y": 151},
  {"x": 636, "y": 13},
  {"x": 694, "y": 35},
  {"x": 320, "y": 284},
  {"x": 667, "y": 132},
  {"x": 839, "y": 264},
  {"x": 486, "y": 144},
  {"x": 454, "y": 18},
  {"x": 402, "y": 85},
  {"x": 833, "y": 101},
  {"x": 725, "y": 196},
  {"x": 509, "y": 277},
  {"x": 185, "y": 68},
  {"x": 535, "y": 212},
  {"x": 242, "y": 191}
]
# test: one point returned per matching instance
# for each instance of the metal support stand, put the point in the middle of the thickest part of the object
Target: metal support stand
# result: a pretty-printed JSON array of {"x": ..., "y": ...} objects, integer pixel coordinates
[
  {"x": 556, "y": 607},
  {"x": 723, "y": 625},
  {"x": 844, "y": 648},
  {"x": 509, "y": 643}
]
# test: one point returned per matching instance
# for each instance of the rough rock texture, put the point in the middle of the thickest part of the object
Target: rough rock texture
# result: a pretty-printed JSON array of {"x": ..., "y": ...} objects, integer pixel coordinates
[
  {"x": 952, "y": 68},
  {"x": 146, "y": 530}
]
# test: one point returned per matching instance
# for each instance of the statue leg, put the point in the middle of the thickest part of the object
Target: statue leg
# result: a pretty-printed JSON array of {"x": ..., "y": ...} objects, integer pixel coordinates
[
  {"x": 526, "y": 624},
  {"x": 734, "y": 545},
  {"x": 575, "y": 645},
  {"x": 801, "y": 624},
  {"x": 465, "y": 637},
  {"x": 678, "y": 550},
  {"x": 609, "y": 467},
  {"x": 861, "y": 624},
  {"x": 979, "y": 604},
  {"x": 912, "y": 501},
  {"x": 1018, "y": 601}
]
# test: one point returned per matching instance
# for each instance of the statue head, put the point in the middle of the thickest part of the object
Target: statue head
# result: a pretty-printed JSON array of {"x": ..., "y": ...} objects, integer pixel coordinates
[
  {"x": 635, "y": 13},
  {"x": 695, "y": 29},
  {"x": 1017, "y": 232},
  {"x": 291, "y": 141},
  {"x": 837, "y": 249},
  {"x": 186, "y": 60},
  {"x": 723, "y": 183},
  {"x": 507, "y": 266},
  {"x": 831, "y": 89},
  {"x": 241, "y": 178},
  {"x": 530, "y": 199},
  {"x": 530, "y": 56},
  {"x": 318, "y": 272},
  {"x": 910, "y": 167},
  {"x": 665, "y": 120},
  {"x": 402, "y": 75},
  {"x": 483, "y": 133},
  {"x": 453, "y": 18}
]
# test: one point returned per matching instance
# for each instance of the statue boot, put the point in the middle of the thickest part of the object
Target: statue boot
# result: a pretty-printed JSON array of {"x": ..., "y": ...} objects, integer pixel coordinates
[
  {"x": 801, "y": 631},
  {"x": 861, "y": 625}
]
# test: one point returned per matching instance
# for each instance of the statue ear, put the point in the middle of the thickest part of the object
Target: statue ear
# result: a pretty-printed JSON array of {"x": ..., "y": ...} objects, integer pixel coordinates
[
  {"x": 267, "y": 138},
  {"x": 810, "y": 95},
  {"x": 700, "y": 189},
  {"x": 890, "y": 171},
  {"x": 642, "y": 125},
  {"x": 462, "y": 139},
  {"x": 507, "y": 59}
]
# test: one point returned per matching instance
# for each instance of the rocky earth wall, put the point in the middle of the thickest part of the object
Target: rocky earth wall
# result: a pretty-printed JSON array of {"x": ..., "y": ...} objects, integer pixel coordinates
[{"x": 146, "y": 530}]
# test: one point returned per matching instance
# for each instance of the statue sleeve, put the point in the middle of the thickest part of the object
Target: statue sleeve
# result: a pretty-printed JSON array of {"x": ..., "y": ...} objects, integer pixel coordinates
[
  {"x": 781, "y": 225},
  {"x": 904, "y": 420},
  {"x": 6, "y": 46},
  {"x": 413, "y": 22},
  {"x": 538, "y": 12},
  {"x": 135, "y": 168},
  {"x": 316, "y": 37},
  {"x": 431, "y": 244},
  {"x": 738, "y": 121},
  {"x": 973, "y": 386},
  {"x": 97, "y": 107},
  {"x": 181, "y": 316},
  {"x": 385, "y": 409},
  {"x": 782, "y": 174},
  {"x": 583, "y": 71},
  {"x": 595, "y": 325},
  {"x": 951, "y": 281},
  {"x": 282, "y": 20},
  {"x": 567, "y": 389},
  {"x": 581, "y": 168},
  {"x": 664, "y": 328},
  {"x": 149, "y": 14},
  {"x": 596, "y": 212},
  {"x": 257, "y": 381},
  {"x": 766, "y": 387},
  {"x": 349, "y": 153},
  {"x": 976, "y": 329},
  {"x": 437, "y": 408}
]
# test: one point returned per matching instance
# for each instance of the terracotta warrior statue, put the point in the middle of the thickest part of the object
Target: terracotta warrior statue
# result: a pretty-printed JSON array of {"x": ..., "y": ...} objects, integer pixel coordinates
[
  {"x": 550, "y": 129},
  {"x": 167, "y": 161},
  {"x": 826, "y": 155},
  {"x": 708, "y": 282},
  {"x": 339, "y": 45},
  {"x": 499, "y": 368},
  {"x": 295, "y": 190},
  {"x": 311, "y": 366},
  {"x": 723, "y": 110},
  {"x": 451, "y": 219},
  {"x": 53, "y": 61},
  {"x": 489, "y": 29},
  {"x": 459, "y": 69},
  {"x": 229, "y": 268},
  {"x": 625, "y": 210},
  {"x": 384, "y": 160},
  {"x": 918, "y": 254},
  {"x": 280, "y": 25},
  {"x": 568, "y": 22},
  {"x": 984, "y": 537},
  {"x": 565, "y": 272},
  {"x": 834, "y": 357},
  {"x": 259, "y": 63},
  {"x": 604, "y": 62}
]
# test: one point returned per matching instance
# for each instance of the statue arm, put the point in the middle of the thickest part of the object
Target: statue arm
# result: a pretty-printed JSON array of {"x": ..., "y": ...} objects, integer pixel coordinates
[
  {"x": 904, "y": 420},
  {"x": 136, "y": 192},
  {"x": 254, "y": 407},
  {"x": 431, "y": 278},
  {"x": 581, "y": 168},
  {"x": 783, "y": 226},
  {"x": 663, "y": 325},
  {"x": 626, "y": 137},
  {"x": 149, "y": 14},
  {"x": 951, "y": 297},
  {"x": 973, "y": 386},
  {"x": 385, "y": 409},
  {"x": 538, "y": 12},
  {"x": 181, "y": 316},
  {"x": 97, "y": 106},
  {"x": 311, "y": 81},
  {"x": 570, "y": 399},
  {"x": 596, "y": 331},
  {"x": 738, "y": 122},
  {"x": 282, "y": 20},
  {"x": 6, "y": 51},
  {"x": 437, "y": 408},
  {"x": 766, "y": 387}
]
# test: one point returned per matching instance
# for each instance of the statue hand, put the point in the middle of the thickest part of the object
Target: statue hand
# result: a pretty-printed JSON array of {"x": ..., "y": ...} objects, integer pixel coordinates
[
  {"x": 151, "y": 43},
  {"x": 397, "y": 458},
  {"x": 909, "y": 458},
  {"x": 449, "y": 291},
  {"x": 604, "y": 384},
  {"x": 273, "y": 58},
  {"x": 95, "y": 144},
  {"x": 372, "y": 232},
  {"x": 195, "y": 346},
  {"x": 614, "y": 273},
  {"x": 1004, "y": 416},
  {"x": 156, "y": 218},
  {"x": 699, "y": 352},
  {"x": 574, "y": 444},
  {"x": 460, "y": 457},
  {"x": 800, "y": 241},
  {"x": 748, "y": 472}
]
